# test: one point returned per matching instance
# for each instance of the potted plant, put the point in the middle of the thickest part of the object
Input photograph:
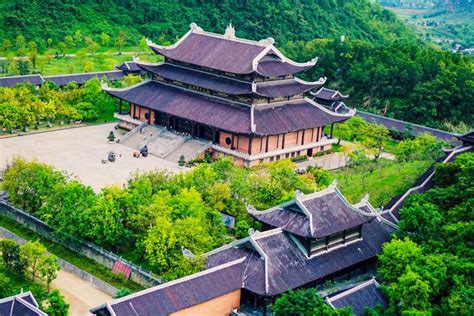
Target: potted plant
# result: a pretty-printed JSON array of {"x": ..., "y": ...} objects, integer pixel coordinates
[{"x": 111, "y": 137}]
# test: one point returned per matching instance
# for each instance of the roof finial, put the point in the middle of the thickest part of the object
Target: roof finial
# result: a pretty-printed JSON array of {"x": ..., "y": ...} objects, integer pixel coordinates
[
  {"x": 333, "y": 185},
  {"x": 195, "y": 28},
  {"x": 229, "y": 31}
]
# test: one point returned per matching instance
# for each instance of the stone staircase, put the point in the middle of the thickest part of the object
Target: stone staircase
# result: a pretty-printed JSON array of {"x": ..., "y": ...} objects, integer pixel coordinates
[
  {"x": 190, "y": 150},
  {"x": 163, "y": 143}
]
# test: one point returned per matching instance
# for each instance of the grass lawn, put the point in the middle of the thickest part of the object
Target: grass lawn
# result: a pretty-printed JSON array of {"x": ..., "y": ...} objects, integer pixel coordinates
[
  {"x": 387, "y": 180},
  {"x": 99, "y": 62},
  {"x": 76, "y": 259}
]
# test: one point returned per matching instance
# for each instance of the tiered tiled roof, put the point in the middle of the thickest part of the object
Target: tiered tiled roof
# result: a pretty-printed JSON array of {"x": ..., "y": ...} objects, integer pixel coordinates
[
  {"x": 358, "y": 297},
  {"x": 285, "y": 266},
  {"x": 199, "y": 78},
  {"x": 23, "y": 304},
  {"x": 230, "y": 54},
  {"x": 314, "y": 215},
  {"x": 329, "y": 95},
  {"x": 220, "y": 113},
  {"x": 81, "y": 78},
  {"x": 36, "y": 80},
  {"x": 265, "y": 263},
  {"x": 129, "y": 66},
  {"x": 180, "y": 294},
  {"x": 228, "y": 85}
]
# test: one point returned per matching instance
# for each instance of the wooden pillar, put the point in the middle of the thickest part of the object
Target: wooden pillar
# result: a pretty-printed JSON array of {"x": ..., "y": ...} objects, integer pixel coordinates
[
  {"x": 250, "y": 143},
  {"x": 332, "y": 127},
  {"x": 265, "y": 302},
  {"x": 283, "y": 142},
  {"x": 149, "y": 116},
  {"x": 168, "y": 121},
  {"x": 214, "y": 135},
  {"x": 120, "y": 106},
  {"x": 302, "y": 138}
]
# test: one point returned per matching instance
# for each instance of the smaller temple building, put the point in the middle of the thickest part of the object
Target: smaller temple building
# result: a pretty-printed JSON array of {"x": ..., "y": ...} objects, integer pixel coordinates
[
  {"x": 307, "y": 241},
  {"x": 23, "y": 304},
  {"x": 358, "y": 297},
  {"x": 241, "y": 95}
]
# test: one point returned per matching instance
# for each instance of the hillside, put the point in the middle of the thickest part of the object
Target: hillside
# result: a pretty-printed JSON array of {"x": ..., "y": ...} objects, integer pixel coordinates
[
  {"x": 285, "y": 20},
  {"x": 447, "y": 23},
  {"x": 380, "y": 62}
]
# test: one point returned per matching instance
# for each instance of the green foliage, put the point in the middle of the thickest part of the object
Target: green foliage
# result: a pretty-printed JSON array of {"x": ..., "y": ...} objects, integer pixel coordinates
[
  {"x": 11, "y": 256},
  {"x": 48, "y": 269},
  {"x": 422, "y": 147},
  {"x": 5, "y": 286},
  {"x": 157, "y": 213},
  {"x": 56, "y": 305},
  {"x": 381, "y": 63},
  {"x": 433, "y": 275},
  {"x": 23, "y": 106},
  {"x": 304, "y": 302},
  {"x": 123, "y": 291},
  {"x": 382, "y": 179},
  {"x": 31, "y": 254}
]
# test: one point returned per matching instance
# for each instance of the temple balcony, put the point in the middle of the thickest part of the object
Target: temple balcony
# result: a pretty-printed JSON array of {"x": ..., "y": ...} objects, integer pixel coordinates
[{"x": 323, "y": 144}]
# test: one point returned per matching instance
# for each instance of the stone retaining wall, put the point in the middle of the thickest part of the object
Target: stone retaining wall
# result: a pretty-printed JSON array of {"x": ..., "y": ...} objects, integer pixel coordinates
[{"x": 89, "y": 250}]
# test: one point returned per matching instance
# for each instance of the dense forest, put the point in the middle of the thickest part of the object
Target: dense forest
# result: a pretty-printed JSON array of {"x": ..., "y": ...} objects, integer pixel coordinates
[{"x": 364, "y": 50}]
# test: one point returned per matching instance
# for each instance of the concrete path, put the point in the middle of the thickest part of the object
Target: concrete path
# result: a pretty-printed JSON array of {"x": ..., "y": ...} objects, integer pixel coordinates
[
  {"x": 328, "y": 162},
  {"x": 78, "y": 293}
]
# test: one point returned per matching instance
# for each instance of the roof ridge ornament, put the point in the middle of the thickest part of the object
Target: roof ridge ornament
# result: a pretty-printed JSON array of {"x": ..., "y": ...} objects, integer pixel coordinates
[
  {"x": 268, "y": 41},
  {"x": 229, "y": 32},
  {"x": 195, "y": 28}
]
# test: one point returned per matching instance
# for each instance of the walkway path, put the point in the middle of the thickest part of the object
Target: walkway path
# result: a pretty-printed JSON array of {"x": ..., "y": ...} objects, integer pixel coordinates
[
  {"x": 400, "y": 126},
  {"x": 79, "y": 294}
]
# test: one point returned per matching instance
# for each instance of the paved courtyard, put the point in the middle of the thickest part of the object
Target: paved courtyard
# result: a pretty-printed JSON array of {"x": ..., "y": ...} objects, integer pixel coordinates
[{"x": 80, "y": 151}]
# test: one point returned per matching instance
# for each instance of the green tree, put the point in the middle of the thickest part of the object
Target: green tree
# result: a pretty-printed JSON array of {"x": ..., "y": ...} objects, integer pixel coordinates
[
  {"x": 5, "y": 286},
  {"x": 69, "y": 41},
  {"x": 33, "y": 53},
  {"x": 375, "y": 137},
  {"x": 61, "y": 48},
  {"x": 123, "y": 291},
  {"x": 120, "y": 41},
  {"x": 48, "y": 269},
  {"x": 11, "y": 256},
  {"x": 32, "y": 254},
  {"x": 7, "y": 45},
  {"x": 396, "y": 256},
  {"x": 20, "y": 44},
  {"x": 420, "y": 219},
  {"x": 104, "y": 39},
  {"x": 305, "y": 302},
  {"x": 107, "y": 220},
  {"x": 413, "y": 291},
  {"x": 56, "y": 304}
]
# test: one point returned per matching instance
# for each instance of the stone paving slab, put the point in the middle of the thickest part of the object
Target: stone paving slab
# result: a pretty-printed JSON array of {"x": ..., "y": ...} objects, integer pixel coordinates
[{"x": 80, "y": 152}]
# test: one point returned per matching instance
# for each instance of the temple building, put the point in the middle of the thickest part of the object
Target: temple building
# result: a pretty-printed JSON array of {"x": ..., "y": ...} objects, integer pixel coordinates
[
  {"x": 240, "y": 95},
  {"x": 358, "y": 297},
  {"x": 23, "y": 304},
  {"x": 305, "y": 242}
]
